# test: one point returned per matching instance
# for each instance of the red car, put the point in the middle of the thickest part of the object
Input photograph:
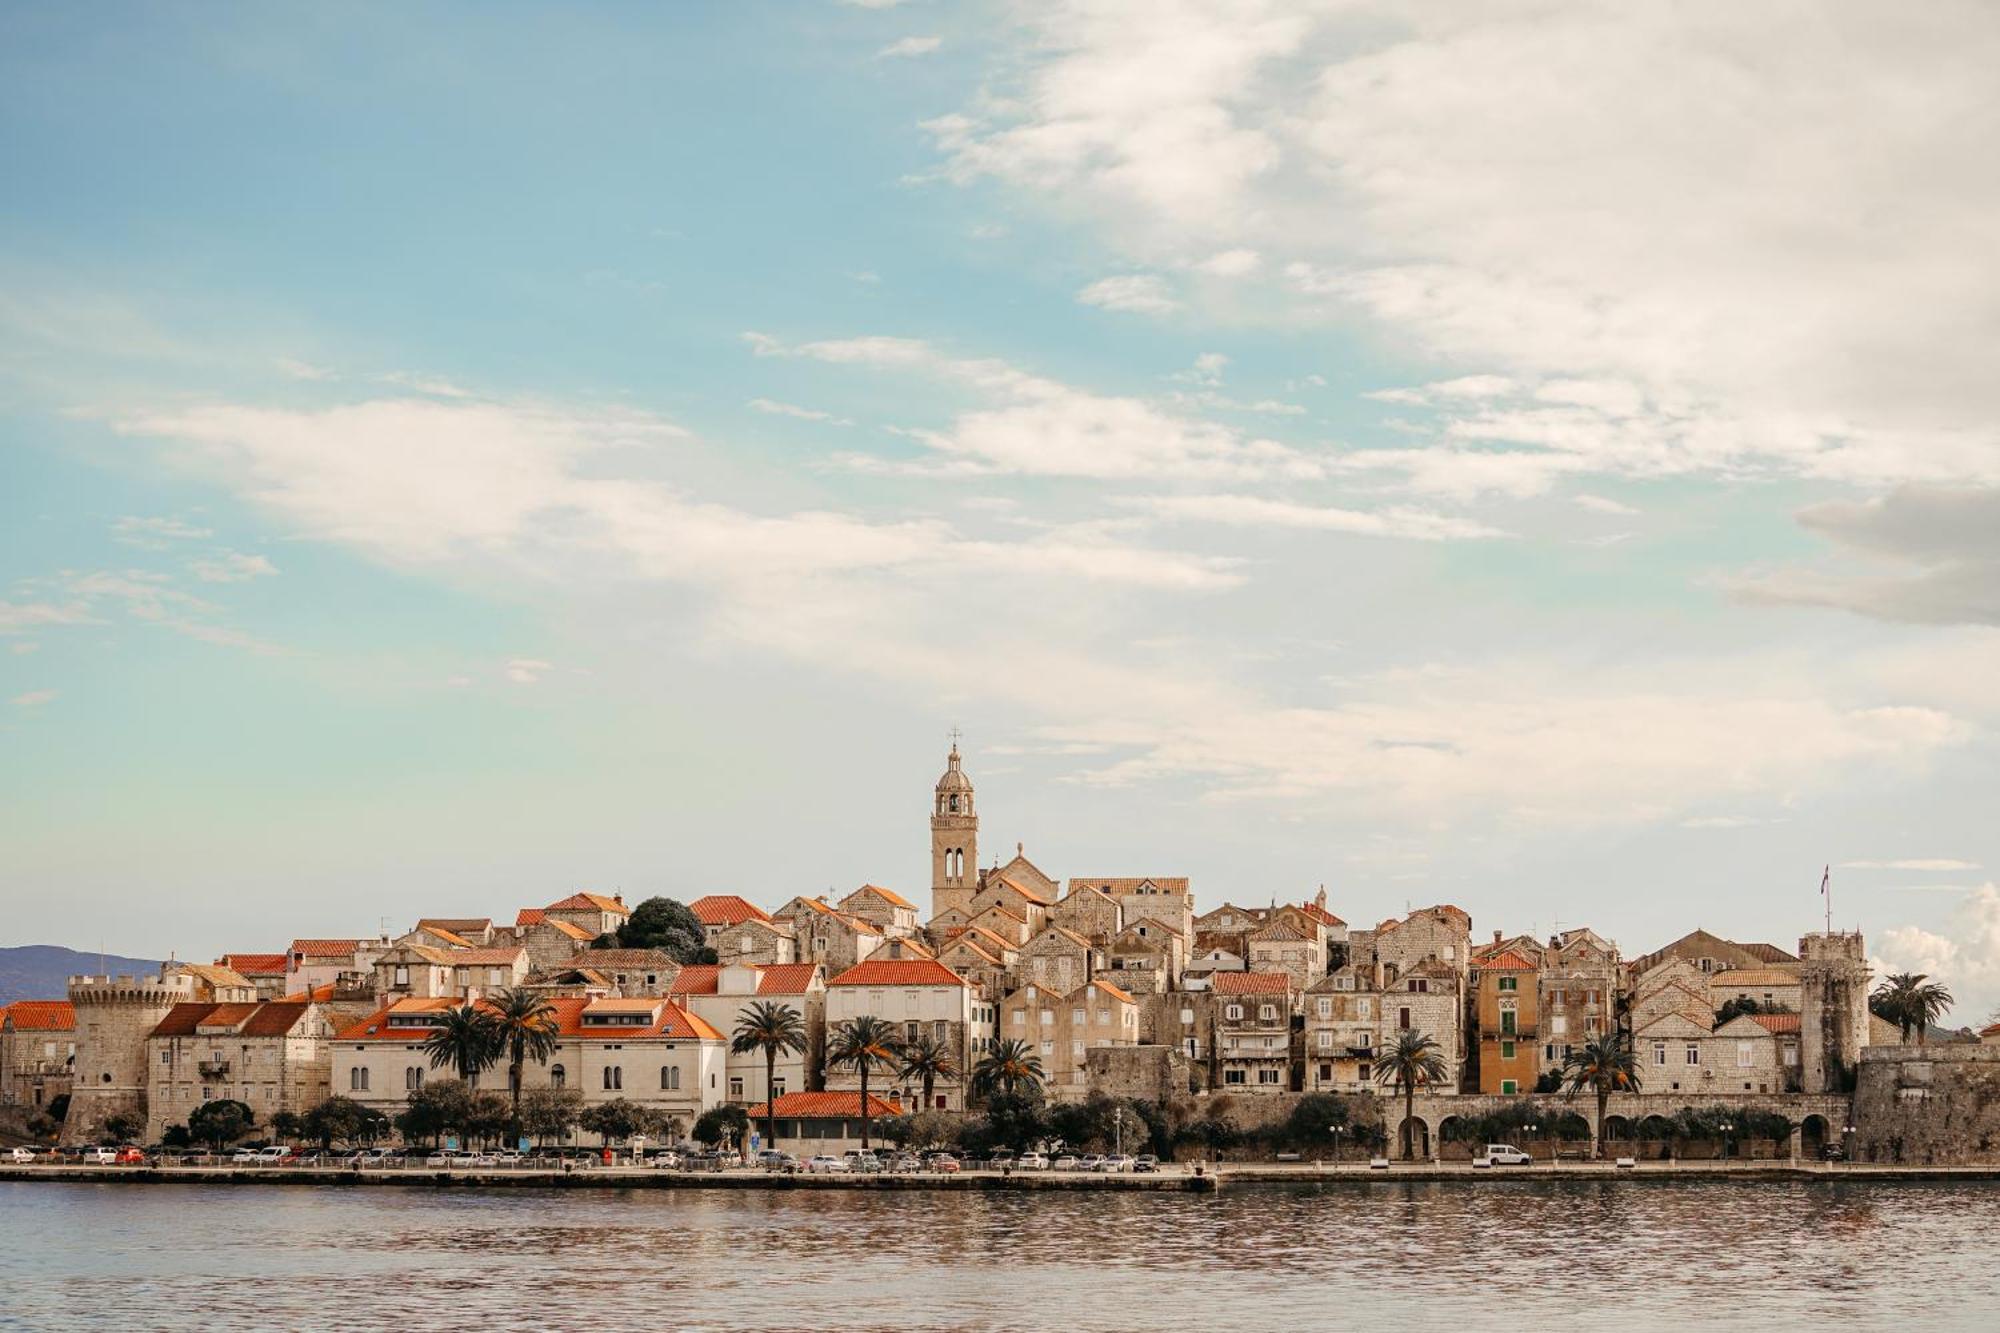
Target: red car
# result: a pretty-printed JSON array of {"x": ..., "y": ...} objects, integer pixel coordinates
[
  {"x": 945, "y": 1165},
  {"x": 131, "y": 1157}
]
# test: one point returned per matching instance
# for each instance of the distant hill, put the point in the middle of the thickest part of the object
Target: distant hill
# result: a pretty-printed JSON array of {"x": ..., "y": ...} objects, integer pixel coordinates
[{"x": 42, "y": 971}]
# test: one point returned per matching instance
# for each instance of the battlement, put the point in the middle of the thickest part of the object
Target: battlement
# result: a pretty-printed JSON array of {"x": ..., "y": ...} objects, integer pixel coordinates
[
  {"x": 127, "y": 989},
  {"x": 1837, "y": 947}
]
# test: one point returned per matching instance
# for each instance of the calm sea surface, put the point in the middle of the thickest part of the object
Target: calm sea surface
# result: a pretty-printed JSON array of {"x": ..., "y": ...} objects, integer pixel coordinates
[{"x": 1526, "y": 1255}]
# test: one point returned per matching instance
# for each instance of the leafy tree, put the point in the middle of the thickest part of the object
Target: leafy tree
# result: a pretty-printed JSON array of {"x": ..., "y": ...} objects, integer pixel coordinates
[
  {"x": 464, "y": 1040},
  {"x": 773, "y": 1028},
  {"x": 667, "y": 925},
  {"x": 436, "y": 1109},
  {"x": 1016, "y": 1119},
  {"x": 1605, "y": 1064},
  {"x": 1415, "y": 1060},
  {"x": 176, "y": 1136},
  {"x": 551, "y": 1113},
  {"x": 123, "y": 1128},
  {"x": 523, "y": 1025},
  {"x": 1741, "y": 1005},
  {"x": 221, "y": 1122},
  {"x": 285, "y": 1126},
  {"x": 867, "y": 1043},
  {"x": 722, "y": 1127},
  {"x": 1093, "y": 1124},
  {"x": 1009, "y": 1066},
  {"x": 488, "y": 1118},
  {"x": 1211, "y": 1133},
  {"x": 615, "y": 1119},
  {"x": 339, "y": 1119},
  {"x": 927, "y": 1059},
  {"x": 1911, "y": 1000}
]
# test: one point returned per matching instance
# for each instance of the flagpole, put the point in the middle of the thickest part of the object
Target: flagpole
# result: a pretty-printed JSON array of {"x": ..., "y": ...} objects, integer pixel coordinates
[{"x": 1826, "y": 892}]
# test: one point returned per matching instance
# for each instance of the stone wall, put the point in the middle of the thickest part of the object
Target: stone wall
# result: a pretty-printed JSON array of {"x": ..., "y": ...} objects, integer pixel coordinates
[{"x": 1928, "y": 1104}]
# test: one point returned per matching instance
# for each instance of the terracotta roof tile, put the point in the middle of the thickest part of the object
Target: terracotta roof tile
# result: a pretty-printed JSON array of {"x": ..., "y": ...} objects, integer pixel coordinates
[
  {"x": 272, "y": 1018},
  {"x": 1250, "y": 983},
  {"x": 786, "y": 978},
  {"x": 589, "y": 902},
  {"x": 255, "y": 964},
  {"x": 898, "y": 972},
  {"x": 324, "y": 948},
  {"x": 1753, "y": 976},
  {"x": 697, "y": 979},
  {"x": 890, "y": 896},
  {"x": 1778, "y": 1023},
  {"x": 1505, "y": 961},
  {"x": 41, "y": 1015},
  {"x": 726, "y": 909},
  {"x": 825, "y": 1106},
  {"x": 672, "y": 1022},
  {"x": 529, "y": 916}
]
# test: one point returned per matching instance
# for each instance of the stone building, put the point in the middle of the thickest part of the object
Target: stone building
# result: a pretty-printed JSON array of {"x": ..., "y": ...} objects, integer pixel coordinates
[
  {"x": 1771, "y": 989},
  {"x": 954, "y": 839},
  {"x": 823, "y": 934},
  {"x": 590, "y": 912},
  {"x": 1709, "y": 954},
  {"x": 1146, "y": 956},
  {"x": 37, "y": 1051},
  {"x": 718, "y": 912},
  {"x": 1577, "y": 988},
  {"x": 1090, "y": 912},
  {"x": 1058, "y": 959},
  {"x": 815, "y": 1123},
  {"x": 755, "y": 943},
  {"x": 114, "y": 1017},
  {"x": 1062, "y": 1027},
  {"x": 1279, "y": 946},
  {"x": 312, "y": 963},
  {"x": 916, "y": 995},
  {"x": 1833, "y": 1010},
  {"x": 1506, "y": 1017},
  {"x": 1253, "y": 1050},
  {"x": 996, "y": 890},
  {"x": 264, "y": 971},
  {"x": 888, "y": 911},
  {"x": 271, "y": 1055},
  {"x": 1428, "y": 999},
  {"x": 1166, "y": 898},
  {"x": 1343, "y": 1017},
  {"x": 1440, "y": 934},
  {"x": 721, "y": 994},
  {"x": 550, "y": 941},
  {"x": 1754, "y": 1054}
]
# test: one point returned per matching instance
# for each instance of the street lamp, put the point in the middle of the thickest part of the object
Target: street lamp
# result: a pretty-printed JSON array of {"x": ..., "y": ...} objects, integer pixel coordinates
[
  {"x": 1728, "y": 1146},
  {"x": 1118, "y": 1132},
  {"x": 1336, "y": 1146}
]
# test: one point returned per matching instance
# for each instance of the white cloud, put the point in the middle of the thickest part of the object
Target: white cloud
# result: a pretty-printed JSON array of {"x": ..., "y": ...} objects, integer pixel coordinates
[
  {"x": 155, "y": 534},
  {"x": 1039, "y": 427},
  {"x": 1132, "y": 293},
  {"x": 23, "y": 649},
  {"x": 1918, "y": 863},
  {"x": 233, "y": 567},
  {"x": 777, "y": 409},
  {"x": 528, "y": 670},
  {"x": 1967, "y": 959},
  {"x": 1599, "y": 504},
  {"x": 293, "y": 368},
  {"x": 19, "y": 617},
  {"x": 1237, "y": 263},
  {"x": 428, "y": 384},
  {"x": 909, "y": 46},
  {"x": 1257, "y": 511},
  {"x": 34, "y": 699}
]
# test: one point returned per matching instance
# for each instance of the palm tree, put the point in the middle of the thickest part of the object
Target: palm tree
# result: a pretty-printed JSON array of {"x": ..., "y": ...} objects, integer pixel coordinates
[
  {"x": 772, "y": 1028},
  {"x": 1009, "y": 1064},
  {"x": 1414, "y": 1059},
  {"x": 523, "y": 1025},
  {"x": 1912, "y": 1000},
  {"x": 867, "y": 1043},
  {"x": 929, "y": 1059},
  {"x": 464, "y": 1040},
  {"x": 1604, "y": 1064}
]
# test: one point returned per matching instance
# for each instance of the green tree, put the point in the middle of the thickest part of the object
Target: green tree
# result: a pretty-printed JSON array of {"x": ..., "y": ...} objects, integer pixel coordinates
[
  {"x": 1008, "y": 1066},
  {"x": 285, "y": 1126},
  {"x": 722, "y": 1127},
  {"x": 1911, "y": 1000},
  {"x": 123, "y": 1128},
  {"x": 667, "y": 925},
  {"x": 1605, "y": 1064},
  {"x": 774, "y": 1029},
  {"x": 1414, "y": 1061},
  {"x": 524, "y": 1028},
  {"x": 335, "y": 1119},
  {"x": 927, "y": 1060},
  {"x": 1017, "y": 1119},
  {"x": 615, "y": 1119},
  {"x": 463, "y": 1041},
  {"x": 866, "y": 1043},
  {"x": 551, "y": 1113},
  {"x": 176, "y": 1136},
  {"x": 435, "y": 1109},
  {"x": 221, "y": 1122}
]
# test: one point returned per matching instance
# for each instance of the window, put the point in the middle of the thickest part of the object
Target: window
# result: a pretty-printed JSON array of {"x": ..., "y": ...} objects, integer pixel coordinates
[
  {"x": 1020, "y": 1017},
  {"x": 1403, "y": 1019},
  {"x": 1187, "y": 1018},
  {"x": 1365, "y": 1040},
  {"x": 1234, "y": 1076},
  {"x": 1791, "y": 1054},
  {"x": 1510, "y": 983},
  {"x": 1325, "y": 1007},
  {"x": 745, "y": 942},
  {"x": 1048, "y": 1017},
  {"x": 614, "y": 1077},
  {"x": 1048, "y": 1048},
  {"x": 1362, "y": 1009},
  {"x": 1267, "y": 1076},
  {"x": 1104, "y": 1018},
  {"x": 1076, "y": 1050},
  {"x": 166, "y": 1057},
  {"x": 357, "y": 1079},
  {"x": 1364, "y": 1073},
  {"x": 1233, "y": 1043},
  {"x": 558, "y": 1076},
  {"x": 1746, "y": 1055},
  {"x": 1077, "y": 1016},
  {"x": 735, "y": 1082},
  {"x": 413, "y": 1077},
  {"x": 1506, "y": 1050},
  {"x": 1235, "y": 1012},
  {"x": 1509, "y": 1022},
  {"x": 1267, "y": 1012},
  {"x": 1326, "y": 1073},
  {"x": 1325, "y": 1040},
  {"x": 1693, "y": 1054},
  {"x": 1509, "y": 1087},
  {"x": 403, "y": 976},
  {"x": 1558, "y": 1025},
  {"x": 1659, "y": 1052}
]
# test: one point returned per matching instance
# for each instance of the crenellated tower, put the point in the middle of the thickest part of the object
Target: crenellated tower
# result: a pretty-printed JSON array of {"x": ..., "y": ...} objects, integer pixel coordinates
[
  {"x": 954, "y": 839},
  {"x": 1833, "y": 1010},
  {"x": 114, "y": 1016}
]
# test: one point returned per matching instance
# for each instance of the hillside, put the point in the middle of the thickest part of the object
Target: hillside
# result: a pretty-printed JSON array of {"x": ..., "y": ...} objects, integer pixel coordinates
[{"x": 41, "y": 971}]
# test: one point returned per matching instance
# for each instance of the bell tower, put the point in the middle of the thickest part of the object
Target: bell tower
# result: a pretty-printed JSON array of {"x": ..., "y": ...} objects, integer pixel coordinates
[{"x": 954, "y": 838}]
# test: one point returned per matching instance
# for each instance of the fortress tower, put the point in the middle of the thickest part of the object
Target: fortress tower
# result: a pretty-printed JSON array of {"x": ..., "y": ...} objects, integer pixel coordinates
[
  {"x": 954, "y": 839},
  {"x": 1833, "y": 1010},
  {"x": 114, "y": 1015}
]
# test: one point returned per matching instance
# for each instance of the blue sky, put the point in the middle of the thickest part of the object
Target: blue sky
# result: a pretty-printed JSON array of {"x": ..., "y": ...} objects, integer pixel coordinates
[{"x": 1539, "y": 458}]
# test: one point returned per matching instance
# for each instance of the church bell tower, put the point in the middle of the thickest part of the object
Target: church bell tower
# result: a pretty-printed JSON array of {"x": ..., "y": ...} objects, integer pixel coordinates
[{"x": 954, "y": 839}]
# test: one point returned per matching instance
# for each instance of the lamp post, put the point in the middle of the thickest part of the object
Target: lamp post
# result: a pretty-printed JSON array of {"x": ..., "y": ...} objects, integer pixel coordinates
[
  {"x": 1118, "y": 1132},
  {"x": 1847, "y": 1144},
  {"x": 1728, "y": 1144},
  {"x": 1532, "y": 1129},
  {"x": 1336, "y": 1146}
]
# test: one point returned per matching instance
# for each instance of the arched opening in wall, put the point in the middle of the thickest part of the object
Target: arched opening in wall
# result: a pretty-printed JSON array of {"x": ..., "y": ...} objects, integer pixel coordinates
[
  {"x": 1617, "y": 1129},
  {"x": 1413, "y": 1137},
  {"x": 1456, "y": 1136},
  {"x": 1813, "y": 1131},
  {"x": 1571, "y": 1127},
  {"x": 1656, "y": 1136}
]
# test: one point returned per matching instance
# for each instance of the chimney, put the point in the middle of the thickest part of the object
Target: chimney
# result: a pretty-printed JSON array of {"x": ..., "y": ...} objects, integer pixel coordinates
[{"x": 1496, "y": 937}]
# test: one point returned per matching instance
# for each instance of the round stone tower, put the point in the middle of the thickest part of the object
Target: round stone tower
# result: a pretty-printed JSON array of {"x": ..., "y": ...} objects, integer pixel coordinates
[
  {"x": 1833, "y": 1010},
  {"x": 114, "y": 1016}
]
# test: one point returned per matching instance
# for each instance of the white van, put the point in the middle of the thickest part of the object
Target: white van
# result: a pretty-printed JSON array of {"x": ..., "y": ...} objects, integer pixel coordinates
[{"x": 1503, "y": 1154}]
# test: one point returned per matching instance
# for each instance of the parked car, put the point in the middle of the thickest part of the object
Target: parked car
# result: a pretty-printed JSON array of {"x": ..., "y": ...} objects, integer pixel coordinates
[
  {"x": 666, "y": 1159},
  {"x": 21, "y": 1155},
  {"x": 100, "y": 1156},
  {"x": 1032, "y": 1161},
  {"x": 1064, "y": 1162},
  {"x": 826, "y": 1164},
  {"x": 1503, "y": 1154},
  {"x": 131, "y": 1156},
  {"x": 1145, "y": 1162},
  {"x": 1832, "y": 1152},
  {"x": 277, "y": 1152},
  {"x": 446, "y": 1158},
  {"x": 1118, "y": 1163},
  {"x": 1090, "y": 1162},
  {"x": 775, "y": 1159},
  {"x": 944, "y": 1164},
  {"x": 245, "y": 1157}
]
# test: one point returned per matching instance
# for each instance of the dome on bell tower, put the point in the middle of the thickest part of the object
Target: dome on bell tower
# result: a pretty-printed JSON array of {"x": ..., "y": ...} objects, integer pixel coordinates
[{"x": 954, "y": 779}]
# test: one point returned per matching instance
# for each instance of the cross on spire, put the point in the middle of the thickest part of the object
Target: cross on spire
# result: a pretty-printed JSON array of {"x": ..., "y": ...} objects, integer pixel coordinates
[{"x": 955, "y": 735}]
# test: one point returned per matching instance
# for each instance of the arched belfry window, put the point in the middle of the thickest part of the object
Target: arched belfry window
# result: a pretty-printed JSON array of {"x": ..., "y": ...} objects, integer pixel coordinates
[{"x": 954, "y": 805}]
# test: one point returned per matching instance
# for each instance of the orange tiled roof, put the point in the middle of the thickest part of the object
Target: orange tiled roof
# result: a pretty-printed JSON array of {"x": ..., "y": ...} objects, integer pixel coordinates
[
  {"x": 528, "y": 916},
  {"x": 1778, "y": 1023},
  {"x": 1250, "y": 983},
  {"x": 1100, "y": 983},
  {"x": 1115, "y": 885},
  {"x": 272, "y": 1018},
  {"x": 1505, "y": 961},
  {"x": 672, "y": 1021},
  {"x": 1753, "y": 976},
  {"x": 786, "y": 978},
  {"x": 898, "y": 972},
  {"x": 255, "y": 964},
  {"x": 889, "y": 895},
  {"x": 1320, "y": 914},
  {"x": 317, "y": 994},
  {"x": 41, "y": 1015},
  {"x": 589, "y": 902},
  {"x": 697, "y": 979},
  {"x": 825, "y": 1106},
  {"x": 324, "y": 948},
  {"x": 726, "y": 909}
]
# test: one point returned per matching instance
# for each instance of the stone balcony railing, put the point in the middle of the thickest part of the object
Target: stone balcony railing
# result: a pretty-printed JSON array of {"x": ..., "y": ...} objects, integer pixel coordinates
[{"x": 213, "y": 1068}]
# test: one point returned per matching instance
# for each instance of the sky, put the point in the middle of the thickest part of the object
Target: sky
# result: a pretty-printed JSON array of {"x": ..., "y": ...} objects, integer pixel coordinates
[{"x": 1537, "y": 456}]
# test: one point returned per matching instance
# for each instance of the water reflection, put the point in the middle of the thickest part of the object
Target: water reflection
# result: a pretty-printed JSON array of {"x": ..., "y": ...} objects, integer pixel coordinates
[{"x": 1598, "y": 1254}]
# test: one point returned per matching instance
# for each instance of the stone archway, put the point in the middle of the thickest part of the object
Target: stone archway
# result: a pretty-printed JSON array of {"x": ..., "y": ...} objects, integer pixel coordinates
[
  {"x": 1813, "y": 1132},
  {"x": 1655, "y": 1134},
  {"x": 1617, "y": 1129},
  {"x": 1453, "y": 1134},
  {"x": 1413, "y": 1138},
  {"x": 1569, "y": 1128}
]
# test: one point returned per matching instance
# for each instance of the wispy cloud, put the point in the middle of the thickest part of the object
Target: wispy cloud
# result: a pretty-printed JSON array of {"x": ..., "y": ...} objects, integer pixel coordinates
[
  {"x": 156, "y": 534},
  {"x": 528, "y": 670},
  {"x": 771, "y": 407},
  {"x": 1913, "y": 863},
  {"x": 233, "y": 567},
  {"x": 1133, "y": 293},
  {"x": 909, "y": 46},
  {"x": 1257, "y": 511},
  {"x": 34, "y": 699}
]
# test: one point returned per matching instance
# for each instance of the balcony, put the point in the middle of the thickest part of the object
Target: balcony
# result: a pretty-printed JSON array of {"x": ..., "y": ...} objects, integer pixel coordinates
[{"x": 213, "y": 1068}]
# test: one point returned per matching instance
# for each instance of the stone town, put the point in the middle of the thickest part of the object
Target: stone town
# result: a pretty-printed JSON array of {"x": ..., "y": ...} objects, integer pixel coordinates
[{"x": 1114, "y": 984}]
